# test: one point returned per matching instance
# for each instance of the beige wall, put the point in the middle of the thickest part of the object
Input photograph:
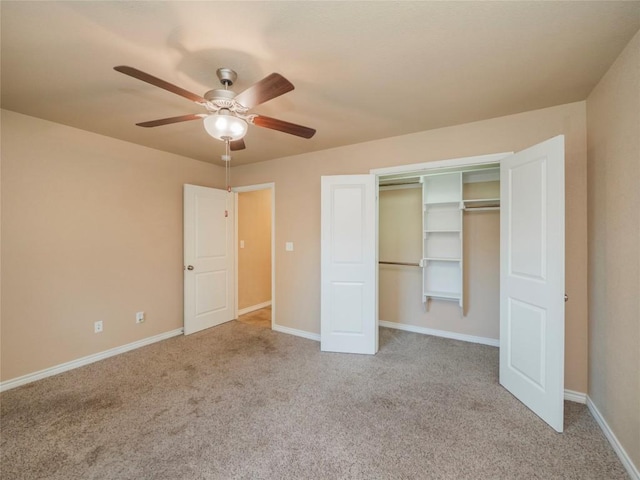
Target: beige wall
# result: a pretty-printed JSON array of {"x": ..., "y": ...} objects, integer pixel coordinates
[
  {"x": 91, "y": 230},
  {"x": 614, "y": 247},
  {"x": 400, "y": 287},
  {"x": 297, "y": 182},
  {"x": 254, "y": 260}
]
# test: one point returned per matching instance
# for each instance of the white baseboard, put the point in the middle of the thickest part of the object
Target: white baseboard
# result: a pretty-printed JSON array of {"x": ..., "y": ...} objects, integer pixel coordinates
[
  {"x": 573, "y": 396},
  {"x": 81, "y": 362},
  {"x": 297, "y": 333},
  {"x": 253, "y": 308},
  {"x": 632, "y": 469},
  {"x": 441, "y": 333}
]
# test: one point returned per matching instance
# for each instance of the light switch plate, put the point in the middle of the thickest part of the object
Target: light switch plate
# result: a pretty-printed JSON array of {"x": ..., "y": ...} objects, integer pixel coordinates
[
  {"x": 241, "y": 243},
  {"x": 288, "y": 246}
]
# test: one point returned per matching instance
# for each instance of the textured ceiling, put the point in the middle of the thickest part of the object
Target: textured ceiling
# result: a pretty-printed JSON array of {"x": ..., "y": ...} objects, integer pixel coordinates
[{"x": 362, "y": 70}]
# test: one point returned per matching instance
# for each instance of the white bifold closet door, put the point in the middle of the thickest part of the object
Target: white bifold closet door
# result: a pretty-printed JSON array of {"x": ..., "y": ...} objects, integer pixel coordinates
[
  {"x": 532, "y": 278},
  {"x": 349, "y": 291}
]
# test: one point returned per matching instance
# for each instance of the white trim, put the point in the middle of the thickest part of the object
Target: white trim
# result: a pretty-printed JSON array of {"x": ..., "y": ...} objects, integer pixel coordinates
[
  {"x": 624, "y": 457},
  {"x": 452, "y": 162},
  {"x": 236, "y": 254},
  {"x": 492, "y": 342},
  {"x": 573, "y": 396},
  {"x": 253, "y": 308},
  {"x": 81, "y": 362},
  {"x": 296, "y": 332}
]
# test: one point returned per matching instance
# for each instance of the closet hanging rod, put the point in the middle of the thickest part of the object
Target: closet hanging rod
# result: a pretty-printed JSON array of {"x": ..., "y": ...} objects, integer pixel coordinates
[
  {"x": 479, "y": 209},
  {"x": 400, "y": 263},
  {"x": 413, "y": 182}
]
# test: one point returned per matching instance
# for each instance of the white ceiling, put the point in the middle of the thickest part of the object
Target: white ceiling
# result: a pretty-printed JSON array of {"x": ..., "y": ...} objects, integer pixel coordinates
[{"x": 362, "y": 70}]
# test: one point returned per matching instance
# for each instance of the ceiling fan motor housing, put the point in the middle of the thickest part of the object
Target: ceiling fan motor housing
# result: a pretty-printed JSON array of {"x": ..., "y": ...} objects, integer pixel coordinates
[
  {"x": 226, "y": 76},
  {"x": 219, "y": 94}
]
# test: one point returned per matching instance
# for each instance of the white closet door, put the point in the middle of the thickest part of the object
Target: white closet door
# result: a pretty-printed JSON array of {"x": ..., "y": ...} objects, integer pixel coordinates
[
  {"x": 532, "y": 278},
  {"x": 349, "y": 264}
]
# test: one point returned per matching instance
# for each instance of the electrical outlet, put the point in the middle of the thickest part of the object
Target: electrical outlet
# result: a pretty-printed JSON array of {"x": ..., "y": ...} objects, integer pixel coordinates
[
  {"x": 97, "y": 326},
  {"x": 139, "y": 317}
]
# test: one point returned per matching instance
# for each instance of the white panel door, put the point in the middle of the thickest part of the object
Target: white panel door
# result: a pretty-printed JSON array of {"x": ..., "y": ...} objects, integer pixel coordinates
[
  {"x": 348, "y": 264},
  {"x": 532, "y": 278},
  {"x": 209, "y": 285}
]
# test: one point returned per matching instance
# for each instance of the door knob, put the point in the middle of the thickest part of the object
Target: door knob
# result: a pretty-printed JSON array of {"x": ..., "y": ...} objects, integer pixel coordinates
[{"x": 190, "y": 267}]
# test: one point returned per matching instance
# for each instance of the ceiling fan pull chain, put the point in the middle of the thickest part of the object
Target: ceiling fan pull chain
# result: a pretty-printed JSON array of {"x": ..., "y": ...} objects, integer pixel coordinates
[{"x": 227, "y": 171}]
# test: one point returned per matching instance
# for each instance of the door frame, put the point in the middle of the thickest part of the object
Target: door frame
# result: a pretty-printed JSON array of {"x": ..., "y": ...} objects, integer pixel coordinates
[
  {"x": 251, "y": 188},
  {"x": 414, "y": 169}
]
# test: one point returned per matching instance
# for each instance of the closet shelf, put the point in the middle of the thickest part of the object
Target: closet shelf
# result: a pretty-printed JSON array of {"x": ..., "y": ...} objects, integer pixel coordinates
[
  {"x": 436, "y": 204},
  {"x": 481, "y": 200},
  {"x": 480, "y": 209},
  {"x": 442, "y": 231},
  {"x": 448, "y": 295},
  {"x": 481, "y": 204},
  {"x": 442, "y": 259}
]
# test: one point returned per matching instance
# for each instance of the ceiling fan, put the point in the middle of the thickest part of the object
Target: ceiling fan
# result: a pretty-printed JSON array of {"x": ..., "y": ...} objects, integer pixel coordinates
[{"x": 227, "y": 116}]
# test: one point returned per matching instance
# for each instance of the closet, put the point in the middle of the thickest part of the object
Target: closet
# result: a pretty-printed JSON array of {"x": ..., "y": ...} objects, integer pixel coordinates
[{"x": 505, "y": 269}]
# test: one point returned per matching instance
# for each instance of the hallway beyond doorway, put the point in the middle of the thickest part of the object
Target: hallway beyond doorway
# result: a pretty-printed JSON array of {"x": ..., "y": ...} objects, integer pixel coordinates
[{"x": 259, "y": 318}]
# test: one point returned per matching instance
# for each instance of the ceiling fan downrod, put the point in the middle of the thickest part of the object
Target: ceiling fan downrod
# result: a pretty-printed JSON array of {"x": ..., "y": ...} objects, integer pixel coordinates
[{"x": 226, "y": 77}]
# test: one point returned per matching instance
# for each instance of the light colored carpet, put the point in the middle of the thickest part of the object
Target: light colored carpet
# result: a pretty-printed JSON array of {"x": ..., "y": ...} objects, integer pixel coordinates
[
  {"x": 258, "y": 318},
  {"x": 242, "y": 402}
]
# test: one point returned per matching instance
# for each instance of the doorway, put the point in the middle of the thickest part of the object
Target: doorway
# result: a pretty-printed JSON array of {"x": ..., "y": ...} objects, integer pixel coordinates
[{"x": 255, "y": 286}]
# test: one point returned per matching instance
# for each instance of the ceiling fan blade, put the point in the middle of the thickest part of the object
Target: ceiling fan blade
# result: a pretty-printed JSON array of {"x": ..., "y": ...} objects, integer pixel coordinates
[
  {"x": 282, "y": 126},
  {"x": 167, "y": 121},
  {"x": 145, "y": 77},
  {"x": 266, "y": 89},
  {"x": 238, "y": 145}
]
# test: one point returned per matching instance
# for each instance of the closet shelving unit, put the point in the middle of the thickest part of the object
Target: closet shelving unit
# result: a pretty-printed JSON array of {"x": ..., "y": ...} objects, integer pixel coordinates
[
  {"x": 442, "y": 236},
  {"x": 444, "y": 200}
]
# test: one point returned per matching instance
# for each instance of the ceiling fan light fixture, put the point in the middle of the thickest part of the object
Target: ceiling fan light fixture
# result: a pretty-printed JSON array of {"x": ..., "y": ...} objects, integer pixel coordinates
[
  {"x": 227, "y": 117},
  {"x": 223, "y": 126}
]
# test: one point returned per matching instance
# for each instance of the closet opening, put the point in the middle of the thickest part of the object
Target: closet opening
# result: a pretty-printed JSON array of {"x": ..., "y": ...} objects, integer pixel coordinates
[{"x": 439, "y": 252}]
